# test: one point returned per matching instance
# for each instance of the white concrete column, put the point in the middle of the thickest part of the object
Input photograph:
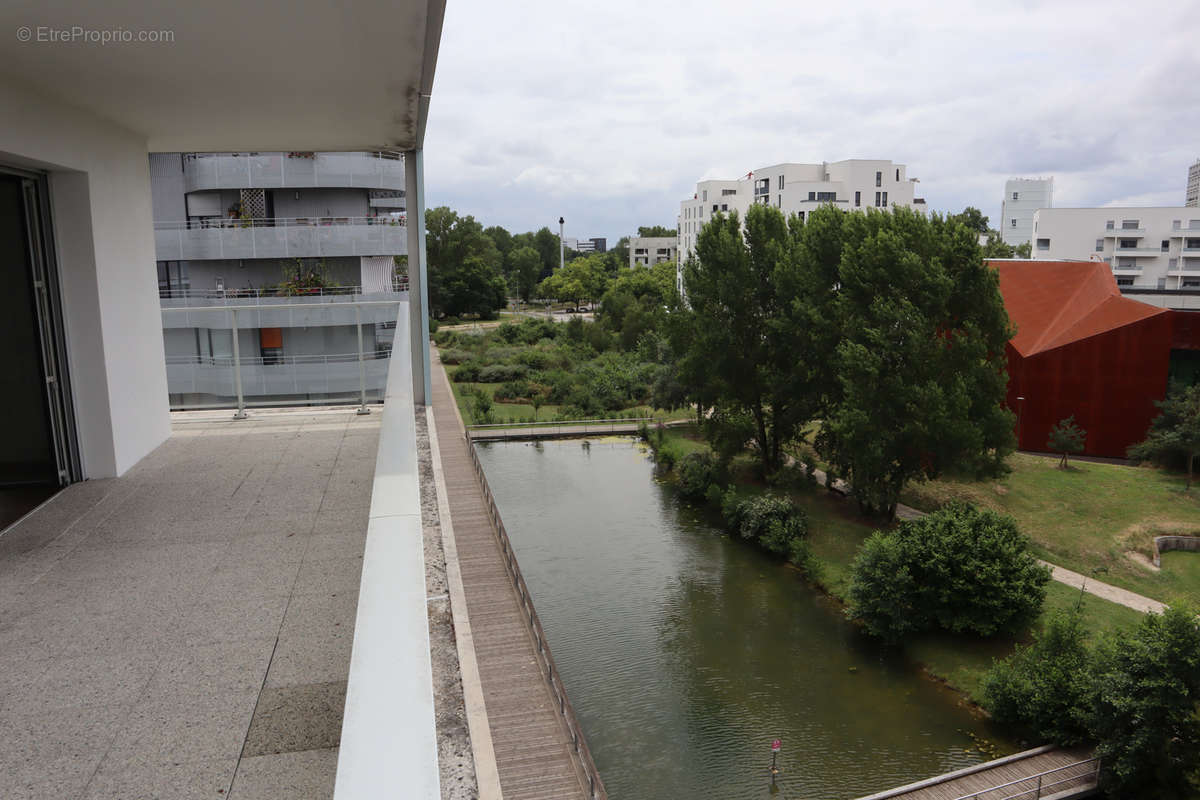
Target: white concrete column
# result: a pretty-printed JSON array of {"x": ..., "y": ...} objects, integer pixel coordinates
[{"x": 418, "y": 275}]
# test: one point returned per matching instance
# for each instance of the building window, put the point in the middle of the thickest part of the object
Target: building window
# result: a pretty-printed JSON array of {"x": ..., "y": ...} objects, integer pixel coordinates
[
  {"x": 812, "y": 196},
  {"x": 714, "y": 208},
  {"x": 1043, "y": 244},
  {"x": 897, "y": 176},
  {"x": 1130, "y": 224},
  {"x": 857, "y": 199},
  {"x": 1124, "y": 281},
  {"x": 877, "y": 198},
  {"x": 781, "y": 183},
  {"x": 705, "y": 198},
  {"x": 1166, "y": 245},
  {"x": 1099, "y": 245},
  {"x": 779, "y": 201},
  {"x": 1108, "y": 226},
  {"x": 885, "y": 200},
  {"x": 826, "y": 197},
  {"x": 1013, "y": 222},
  {"x": 1014, "y": 195},
  {"x": 1126, "y": 263},
  {"x": 725, "y": 192},
  {"x": 1128, "y": 244},
  {"x": 724, "y": 206},
  {"x": 802, "y": 216},
  {"x": 879, "y": 179}
]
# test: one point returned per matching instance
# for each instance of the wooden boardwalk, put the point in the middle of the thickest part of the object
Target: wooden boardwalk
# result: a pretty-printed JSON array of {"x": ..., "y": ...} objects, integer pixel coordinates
[
  {"x": 555, "y": 431},
  {"x": 1044, "y": 772},
  {"x": 537, "y": 757}
]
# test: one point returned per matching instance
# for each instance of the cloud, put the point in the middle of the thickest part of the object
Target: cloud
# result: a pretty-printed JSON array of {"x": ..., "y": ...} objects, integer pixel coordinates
[{"x": 609, "y": 113}]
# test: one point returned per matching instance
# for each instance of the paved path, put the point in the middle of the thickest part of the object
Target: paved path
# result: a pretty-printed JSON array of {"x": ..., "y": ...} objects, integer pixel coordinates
[
  {"x": 1114, "y": 594},
  {"x": 1074, "y": 775},
  {"x": 531, "y": 744}
]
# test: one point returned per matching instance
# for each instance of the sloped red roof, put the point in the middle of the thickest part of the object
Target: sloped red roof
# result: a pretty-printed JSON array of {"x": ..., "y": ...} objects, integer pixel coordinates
[{"x": 1053, "y": 303}]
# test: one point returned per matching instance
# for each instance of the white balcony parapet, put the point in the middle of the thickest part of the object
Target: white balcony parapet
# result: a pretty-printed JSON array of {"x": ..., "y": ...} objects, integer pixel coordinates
[
  {"x": 204, "y": 171},
  {"x": 300, "y": 237},
  {"x": 202, "y": 309}
]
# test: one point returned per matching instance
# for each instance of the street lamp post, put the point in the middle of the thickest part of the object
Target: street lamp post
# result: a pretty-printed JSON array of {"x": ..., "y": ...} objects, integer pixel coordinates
[{"x": 562, "y": 247}]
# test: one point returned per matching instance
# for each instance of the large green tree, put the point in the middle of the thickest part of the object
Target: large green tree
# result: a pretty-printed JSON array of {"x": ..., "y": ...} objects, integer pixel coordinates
[
  {"x": 972, "y": 218},
  {"x": 657, "y": 231},
  {"x": 584, "y": 278},
  {"x": 1174, "y": 435},
  {"x": 920, "y": 365},
  {"x": 501, "y": 238},
  {"x": 746, "y": 354},
  {"x": 464, "y": 266},
  {"x": 524, "y": 266}
]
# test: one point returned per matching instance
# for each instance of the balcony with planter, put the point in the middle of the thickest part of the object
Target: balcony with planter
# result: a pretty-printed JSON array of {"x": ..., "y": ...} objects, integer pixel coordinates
[{"x": 302, "y": 237}]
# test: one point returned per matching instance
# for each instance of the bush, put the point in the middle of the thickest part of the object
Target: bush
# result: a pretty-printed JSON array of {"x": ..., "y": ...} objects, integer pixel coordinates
[
  {"x": 697, "y": 472},
  {"x": 959, "y": 569},
  {"x": 452, "y": 356},
  {"x": 1045, "y": 689},
  {"x": 480, "y": 406},
  {"x": 500, "y": 373},
  {"x": 514, "y": 390},
  {"x": 468, "y": 372},
  {"x": 775, "y": 523},
  {"x": 433, "y": 325},
  {"x": 535, "y": 359}
]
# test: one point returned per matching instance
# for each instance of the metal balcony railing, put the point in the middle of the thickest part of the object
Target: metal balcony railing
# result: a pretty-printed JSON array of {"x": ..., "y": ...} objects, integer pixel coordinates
[
  {"x": 380, "y": 170},
  {"x": 270, "y": 294},
  {"x": 293, "y": 237}
]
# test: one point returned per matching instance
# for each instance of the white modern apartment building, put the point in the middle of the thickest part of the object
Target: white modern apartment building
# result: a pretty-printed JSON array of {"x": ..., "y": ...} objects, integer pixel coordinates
[
  {"x": 1022, "y": 197},
  {"x": 1148, "y": 248},
  {"x": 253, "y": 231},
  {"x": 798, "y": 189},
  {"x": 1192, "y": 195},
  {"x": 645, "y": 251}
]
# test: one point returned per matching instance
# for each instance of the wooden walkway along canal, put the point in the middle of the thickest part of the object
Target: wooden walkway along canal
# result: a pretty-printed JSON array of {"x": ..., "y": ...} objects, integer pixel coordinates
[
  {"x": 1042, "y": 773},
  {"x": 565, "y": 430},
  {"x": 540, "y": 751}
]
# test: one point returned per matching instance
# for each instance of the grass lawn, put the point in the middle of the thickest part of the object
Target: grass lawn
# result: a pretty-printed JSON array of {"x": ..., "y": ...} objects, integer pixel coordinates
[
  {"x": 836, "y": 530},
  {"x": 1091, "y": 516}
]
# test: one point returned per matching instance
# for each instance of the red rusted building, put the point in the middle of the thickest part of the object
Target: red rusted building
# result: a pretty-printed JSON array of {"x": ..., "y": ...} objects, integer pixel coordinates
[{"x": 1083, "y": 349}]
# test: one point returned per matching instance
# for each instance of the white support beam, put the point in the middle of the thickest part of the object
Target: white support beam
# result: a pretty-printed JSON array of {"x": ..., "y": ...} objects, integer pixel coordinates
[{"x": 418, "y": 275}]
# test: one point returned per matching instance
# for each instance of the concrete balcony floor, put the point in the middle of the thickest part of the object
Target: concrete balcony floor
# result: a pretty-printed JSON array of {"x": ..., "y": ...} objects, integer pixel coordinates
[{"x": 185, "y": 630}]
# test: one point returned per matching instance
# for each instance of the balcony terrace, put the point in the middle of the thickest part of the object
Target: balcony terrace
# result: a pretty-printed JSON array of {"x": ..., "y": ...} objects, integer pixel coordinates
[
  {"x": 303, "y": 237},
  {"x": 204, "y": 171}
]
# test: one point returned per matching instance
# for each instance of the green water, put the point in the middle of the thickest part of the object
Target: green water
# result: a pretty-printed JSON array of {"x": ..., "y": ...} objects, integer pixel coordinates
[{"x": 685, "y": 652}]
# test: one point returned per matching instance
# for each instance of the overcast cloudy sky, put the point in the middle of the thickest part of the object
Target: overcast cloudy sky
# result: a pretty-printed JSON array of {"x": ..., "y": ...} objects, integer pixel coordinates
[{"x": 608, "y": 112}]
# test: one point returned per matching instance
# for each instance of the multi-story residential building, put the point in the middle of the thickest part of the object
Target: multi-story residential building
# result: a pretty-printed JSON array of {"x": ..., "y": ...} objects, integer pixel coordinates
[
  {"x": 596, "y": 244},
  {"x": 241, "y": 230},
  {"x": 1192, "y": 195},
  {"x": 646, "y": 251},
  {"x": 798, "y": 189},
  {"x": 1147, "y": 248},
  {"x": 1022, "y": 197}
]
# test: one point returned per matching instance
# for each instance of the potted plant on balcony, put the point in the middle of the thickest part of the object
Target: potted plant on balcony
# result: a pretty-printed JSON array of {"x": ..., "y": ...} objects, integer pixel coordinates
[{"x": 301, "y": 277}]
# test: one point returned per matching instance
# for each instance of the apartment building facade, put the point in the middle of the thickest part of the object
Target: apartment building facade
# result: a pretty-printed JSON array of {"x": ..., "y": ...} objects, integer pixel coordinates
[
  {"x": 646, "y": 251},
  {"x": 852, "y": 184},
  {"x": 1152, "y": 249},
  {"x": 1191, "y": 197},
  {"x": 255, "y": 230},
  {"x": 1022, "y": 197}
]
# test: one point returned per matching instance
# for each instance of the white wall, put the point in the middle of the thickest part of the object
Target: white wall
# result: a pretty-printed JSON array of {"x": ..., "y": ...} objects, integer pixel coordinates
[
  {"x": 1032, "y": 194},
  {"x": 99, "y": 178}
]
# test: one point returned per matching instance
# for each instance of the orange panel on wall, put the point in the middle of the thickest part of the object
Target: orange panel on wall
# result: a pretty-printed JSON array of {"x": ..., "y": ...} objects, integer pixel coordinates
[{"x": 270, "y": 337}]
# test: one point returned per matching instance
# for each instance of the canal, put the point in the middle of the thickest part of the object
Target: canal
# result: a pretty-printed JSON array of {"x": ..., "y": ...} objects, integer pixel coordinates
[{"x": 686, "y": 653}]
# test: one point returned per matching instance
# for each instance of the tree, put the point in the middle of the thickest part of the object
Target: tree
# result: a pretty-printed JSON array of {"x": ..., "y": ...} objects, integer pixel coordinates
[
  {"x": 1146, "y": 717},
  {"x": 1045, "y": 689},
  {"x": 741, "y": 352},
  {"x": 501, "y": 238},
  {"x": 996, "y": 247},
  {"x": 920, "y": 364},
  {"x": 656, "y": 231},
  {"x": 1175, "y": 432},
  {"x": 959, "y": 569},
  {"x": 972, "y": 218},
  {"x": 585, "y": 277},
  {"x": 1066, "y": 437},
  {"x": 546, "y": 243},
  {"x": 464, "y": 266},
  {"x": 524, "y": 266},
  {"x": 1023, "y": 250},
  {"x": 620, "y": 251}
]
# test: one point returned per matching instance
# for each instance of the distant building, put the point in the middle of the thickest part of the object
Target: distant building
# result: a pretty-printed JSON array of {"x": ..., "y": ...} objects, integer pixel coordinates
[
  {"x": 1146, "y": 248},
  {"x": 1022, "y": 197},
  {"x": 645, "y": 251},
  {"x": 1192, "y": 196},
  {"x": 799, "y": 189}
]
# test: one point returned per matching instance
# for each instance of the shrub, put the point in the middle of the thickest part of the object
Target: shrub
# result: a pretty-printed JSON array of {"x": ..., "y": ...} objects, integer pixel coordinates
[
  {"x": 468, "y": 372},
  {"x": 514, "y": 390},
  {"x": 433, "y": 325},
  {"x": 535, "y": 359},
  {"x": 1045, "y": 689},
  {"x": 480, "y": 406},
  {"x": 452, "y": 356},
  {"x": 697, "y": 471},
  {"x": 959, "y": 569},
  {"x": 500, "y": 373},
  {"x": 775, "y": 523}
]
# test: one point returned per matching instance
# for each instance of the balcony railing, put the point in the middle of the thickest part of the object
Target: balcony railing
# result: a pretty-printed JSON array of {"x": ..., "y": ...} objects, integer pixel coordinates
[
  {"x": 251, "y": 296},
  {"x": 202, "y": 171},
  {"x": 299, "y": 237},
  {"x": 1131, "y": 233},
  {"x": 1137, "y": 252}
]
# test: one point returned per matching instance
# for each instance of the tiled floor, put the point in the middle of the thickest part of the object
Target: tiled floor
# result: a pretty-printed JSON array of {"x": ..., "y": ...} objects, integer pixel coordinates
[{"x": 185, "y": 631}]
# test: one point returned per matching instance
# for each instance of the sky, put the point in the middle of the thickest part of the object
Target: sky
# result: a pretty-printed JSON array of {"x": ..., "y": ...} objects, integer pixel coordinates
[{"x": 608, "y": 112}]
